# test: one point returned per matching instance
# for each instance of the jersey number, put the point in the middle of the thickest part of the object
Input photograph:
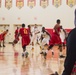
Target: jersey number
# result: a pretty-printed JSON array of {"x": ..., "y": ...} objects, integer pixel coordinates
[{"x": 25, "y": 31}]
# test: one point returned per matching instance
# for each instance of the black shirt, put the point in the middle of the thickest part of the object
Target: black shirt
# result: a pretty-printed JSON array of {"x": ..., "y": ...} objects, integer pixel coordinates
[{"x": 71, "y": 53}]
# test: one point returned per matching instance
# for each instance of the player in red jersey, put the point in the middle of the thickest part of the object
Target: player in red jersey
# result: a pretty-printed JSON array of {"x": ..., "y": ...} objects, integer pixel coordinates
[
  {"x": 29, "y": 30},
  {"x": 16, "y": 33},
  {"x": 25, "y": 39},
  {"x": 2, "y": 37},
  {"x": 16, "y": 36},
  {"x": 55, "y": 38}
]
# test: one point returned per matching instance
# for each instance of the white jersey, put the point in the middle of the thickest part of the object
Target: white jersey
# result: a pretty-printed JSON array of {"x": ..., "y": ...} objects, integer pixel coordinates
[
  {"x": 36, "y": 35},
  {"x": 46, "y": 38},
  {"x": 36, "y": 30},
  {"x": 45, "y": 35}
]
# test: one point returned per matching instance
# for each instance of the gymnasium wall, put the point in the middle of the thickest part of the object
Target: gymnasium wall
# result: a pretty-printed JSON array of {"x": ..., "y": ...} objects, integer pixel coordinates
[{"x": 37, "y": 15}]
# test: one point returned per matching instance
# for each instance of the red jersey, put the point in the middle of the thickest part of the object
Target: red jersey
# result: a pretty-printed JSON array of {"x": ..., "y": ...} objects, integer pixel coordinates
[
  {"x": 25, "y": 36},
  {"x": 23, "y": 32},
  {"x": 2, "y": 35},
  {"x": 16, "y": 31},
  {"x": 57, "y": 29},
  {"x": 16, "y": 34},
  {"x": 55, "y": 38}
]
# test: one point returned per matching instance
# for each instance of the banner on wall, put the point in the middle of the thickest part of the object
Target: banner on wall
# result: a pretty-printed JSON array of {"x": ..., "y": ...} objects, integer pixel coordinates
[
  {"x": 19, "y": 3},
  {"x": 8, "y": 4},
  {"x": 44, "y": 3},
  {"x": 31, "y": 3},
  {"x": 56, "y": 3},
  {"x": 0, "y": 3},
  {"x": 71, "y": 3}
]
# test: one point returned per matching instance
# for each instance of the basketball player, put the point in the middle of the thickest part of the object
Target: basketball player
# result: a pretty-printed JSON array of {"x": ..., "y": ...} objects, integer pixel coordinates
[
  {"x": 35, "y": 35},
  {"x": 25, "y": 39},
  {"x": 17, "y": 38},
  {"x": 55, "y": 38},
  {"x": 2, "y": 37}
]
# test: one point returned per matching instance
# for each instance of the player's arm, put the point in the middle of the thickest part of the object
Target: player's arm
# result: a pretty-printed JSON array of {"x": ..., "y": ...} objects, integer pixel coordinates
[{"x": 37, "y": 32}]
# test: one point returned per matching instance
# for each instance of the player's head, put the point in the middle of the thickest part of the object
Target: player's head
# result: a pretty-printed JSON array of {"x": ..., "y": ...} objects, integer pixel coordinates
[
  {"x": 6, "y": 31},
  {"x": 17, "y": 27},
  {"x": 28, "y": 26},
  {"x": 35, "y": 25},
  {"x": 43, "y": 28},
  {"x": 58, "y": 21},
  {"x": 23, "y": 25}
]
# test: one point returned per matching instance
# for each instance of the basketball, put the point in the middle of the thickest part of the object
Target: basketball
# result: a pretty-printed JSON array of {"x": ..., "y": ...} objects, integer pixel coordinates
[{"x": 15, "y": 41}]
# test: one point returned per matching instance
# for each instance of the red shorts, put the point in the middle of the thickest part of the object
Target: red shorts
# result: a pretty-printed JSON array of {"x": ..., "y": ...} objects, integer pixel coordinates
[
  {"x": 25, "y": 40},
  {"x": 55, "y": 39}
]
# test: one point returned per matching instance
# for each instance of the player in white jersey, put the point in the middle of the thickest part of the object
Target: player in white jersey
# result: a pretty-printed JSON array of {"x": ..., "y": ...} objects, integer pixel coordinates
[
  {"x": 63, "y": 36},
  {"x": 45, "y": 37},
  {"x": 35, "y": 33}
]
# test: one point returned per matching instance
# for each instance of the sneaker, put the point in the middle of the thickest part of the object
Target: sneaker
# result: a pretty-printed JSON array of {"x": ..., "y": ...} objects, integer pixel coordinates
[
  {"x": 26, "y": 54},
  {"x": 44, "y": 54},
  {"x": 3, "y": 45},
  {"x": 61, "y": 56},
  {"x": 22, "y": 54}
]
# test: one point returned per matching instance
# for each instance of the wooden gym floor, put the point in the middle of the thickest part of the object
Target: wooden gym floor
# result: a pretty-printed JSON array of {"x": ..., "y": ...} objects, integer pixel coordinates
[{"x": 12, "y": 63}]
